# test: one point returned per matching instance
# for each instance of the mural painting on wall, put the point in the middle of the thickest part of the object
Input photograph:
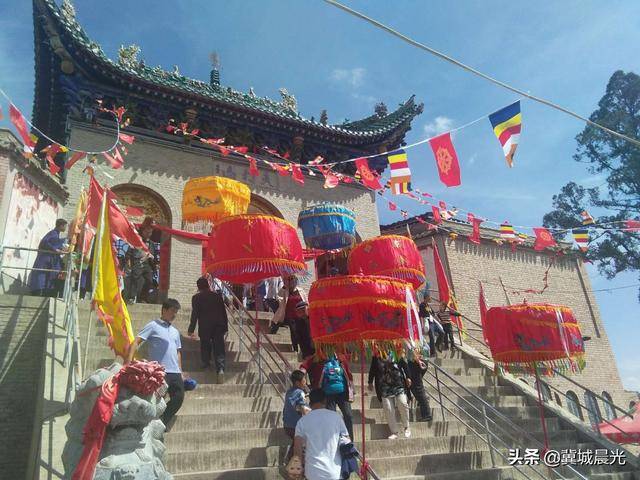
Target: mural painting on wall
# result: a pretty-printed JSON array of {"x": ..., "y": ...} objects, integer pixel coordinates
[
  {"x": 31, "y": 215},
  {"x": 139, "y": 203}
]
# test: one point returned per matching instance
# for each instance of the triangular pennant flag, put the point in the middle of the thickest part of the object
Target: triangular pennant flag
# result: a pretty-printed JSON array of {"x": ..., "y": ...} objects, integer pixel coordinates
[
  {"x": 544, "y": 239},
  {"x": 127, "y": 138},
  {"x": 392, "y": 206},
  {"x": 116, "y": 161},
  {"x": 507, "y": 232},
  {"x": 446, "y": 160},
  {"x": 21, "y": 126},
  {"x": 74, "y": 159},
  {"x": 297, "y": 175},
  {"x": 368, "y": 178},
  {"x": 52, "y": 151},
  {"x": 240, "y": 150},
  {"x": 587, "y": 219},
  {"x": 475, "y": 224},
  {"x": 400, "y": 181},
  {"x": 404, "y": 214},
  {"x": 581, "y": 236},
  {"x": 436, "y": 214},
  {"x": 253, "y": 167},
  {"x": 507, "y": 125}
]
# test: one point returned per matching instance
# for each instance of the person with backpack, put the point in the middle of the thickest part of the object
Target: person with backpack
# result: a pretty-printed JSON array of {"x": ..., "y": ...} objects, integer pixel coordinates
[
  {"x": 392, "y": 384},
  {"x": 333, "y": 376}
]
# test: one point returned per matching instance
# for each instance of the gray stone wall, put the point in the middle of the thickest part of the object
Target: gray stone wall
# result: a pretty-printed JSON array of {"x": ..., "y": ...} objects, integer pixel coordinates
[
  {"x": 164, "y": 166},
  {"x": 23, "y": 329}
]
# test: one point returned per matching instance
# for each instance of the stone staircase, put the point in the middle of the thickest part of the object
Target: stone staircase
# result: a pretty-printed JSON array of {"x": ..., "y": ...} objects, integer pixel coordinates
[{"x": 234, "y": 431}]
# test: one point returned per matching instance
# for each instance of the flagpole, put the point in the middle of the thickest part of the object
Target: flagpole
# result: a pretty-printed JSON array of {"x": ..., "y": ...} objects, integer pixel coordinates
[{"x": 97, "y": 251}]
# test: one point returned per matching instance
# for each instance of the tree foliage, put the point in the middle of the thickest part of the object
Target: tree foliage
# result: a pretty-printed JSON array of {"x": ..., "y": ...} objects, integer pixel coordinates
[{"x": 618, "y": 160}]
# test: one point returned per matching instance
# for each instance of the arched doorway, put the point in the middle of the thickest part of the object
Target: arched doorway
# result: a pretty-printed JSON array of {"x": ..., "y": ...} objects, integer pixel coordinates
[
  {"x": 140, "y": 202},
  {"x": 259, "y": 205}
]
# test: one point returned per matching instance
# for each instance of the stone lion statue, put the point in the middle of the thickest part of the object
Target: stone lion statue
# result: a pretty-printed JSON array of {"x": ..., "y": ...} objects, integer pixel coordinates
[{"x": 133, "y": 447}]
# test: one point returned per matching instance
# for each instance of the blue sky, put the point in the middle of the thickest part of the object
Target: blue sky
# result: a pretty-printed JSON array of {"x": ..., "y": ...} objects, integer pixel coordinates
[{"x": 563, "y": 51}]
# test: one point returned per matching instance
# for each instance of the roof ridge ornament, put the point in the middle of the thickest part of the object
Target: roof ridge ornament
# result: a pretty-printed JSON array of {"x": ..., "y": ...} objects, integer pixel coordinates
[
  {"x": 68, "y": 11},
  {"x": 289, "y": 102},
  {"x": 128, "y": 56}
]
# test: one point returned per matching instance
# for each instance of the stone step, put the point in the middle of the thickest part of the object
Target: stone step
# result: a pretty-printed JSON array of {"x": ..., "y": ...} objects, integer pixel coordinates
[
  {"x": 260, "y": 473},
  {"x": 263, "y": 437},
  {"x": 208, "y": 422}
]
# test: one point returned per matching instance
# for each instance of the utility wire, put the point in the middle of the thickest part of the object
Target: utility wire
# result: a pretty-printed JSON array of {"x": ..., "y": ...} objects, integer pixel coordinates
[{"x": 478, "y": 73}]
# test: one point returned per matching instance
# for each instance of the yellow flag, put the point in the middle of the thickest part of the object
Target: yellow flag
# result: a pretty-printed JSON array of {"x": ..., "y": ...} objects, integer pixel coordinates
[
  {"x": 108, "y": 302},
  {"x": 77, "y": 224}
]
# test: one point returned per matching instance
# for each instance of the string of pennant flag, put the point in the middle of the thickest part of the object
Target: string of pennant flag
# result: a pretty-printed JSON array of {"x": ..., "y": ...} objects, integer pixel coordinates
[{"x": 506, "y": 124}]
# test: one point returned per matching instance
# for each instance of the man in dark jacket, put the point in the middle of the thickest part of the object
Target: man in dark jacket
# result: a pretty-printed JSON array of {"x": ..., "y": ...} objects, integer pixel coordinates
[
  {"x": 392, "y": 384},
  {"x": 209, "y": 312},
  {"x": 417, "y": 369}
]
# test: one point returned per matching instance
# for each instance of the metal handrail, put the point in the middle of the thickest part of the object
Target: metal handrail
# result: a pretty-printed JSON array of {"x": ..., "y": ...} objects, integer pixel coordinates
[
  {"x": 486, "y": 423},
  {"x": 597, "y": 414},
  {"x": 281, "y": 361}
]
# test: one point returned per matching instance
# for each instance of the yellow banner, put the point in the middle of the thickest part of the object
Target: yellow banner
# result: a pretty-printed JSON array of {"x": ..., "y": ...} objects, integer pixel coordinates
[{"x": 107, "y": 298}]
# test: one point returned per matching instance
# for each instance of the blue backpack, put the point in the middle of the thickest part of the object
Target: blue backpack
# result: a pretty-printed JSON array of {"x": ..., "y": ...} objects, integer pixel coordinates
[{"x": 333, "y": 380}]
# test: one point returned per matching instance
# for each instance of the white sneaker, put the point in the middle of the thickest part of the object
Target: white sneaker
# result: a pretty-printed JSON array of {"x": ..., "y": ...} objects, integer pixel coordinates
[
  {"x": 407, "y": 433},
  {"x": 393, "y": 436}
]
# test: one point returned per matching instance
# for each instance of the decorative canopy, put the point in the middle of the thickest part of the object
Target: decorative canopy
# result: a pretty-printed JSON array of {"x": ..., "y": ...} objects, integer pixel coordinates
[
  {"x": 392, "y": 255},
  {"x": 349, "y": 311},
  {"x": 328, "y": 226},
  {"x": 250, "y": 248},
  {"x": 624, "y": 429},
  {"x": 209, "y": 199},
  {"x": 525, "y": 335}
]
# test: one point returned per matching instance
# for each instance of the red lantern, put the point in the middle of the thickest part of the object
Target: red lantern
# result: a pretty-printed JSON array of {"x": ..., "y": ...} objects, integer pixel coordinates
[
  {"x": 249, "y": 248},
  {"x": 349, "y": 311},
  {"x": 392, "y": 255},
  {"x": 524, "y": 335}
]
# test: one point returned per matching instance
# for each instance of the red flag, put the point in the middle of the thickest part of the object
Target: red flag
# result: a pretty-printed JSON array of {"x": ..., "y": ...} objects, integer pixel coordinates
[
  {"x": 330, "y": 179},
  {"x": 632, "y": 226},
  {"x": 52, "y": 151},
  {"x": 297, "y": 173},
  {"x": 120, "y": 226},
  {"x": 253, "y": 167},
  {"x": 72, "y": 161},
  {"x": 446, "y": 160},
  {"x": 21, "y": 125},
  {"x": 475, "y": 223},
  {"x": 419, "y": 219},
  {"x": 1, "y": 114},
  {"x": 241, "y": 150},
  {"x": 436, "y": 214},
  {"x": 544, "y": 239},
  {"x": 392, "y": 206},
  {"x": 369, "y": 179},
  {"x": 115, "y": 161},
  {"x": 281, "y": 169},
  {"x": 441, "y": 277},
  {"x": 127, "y": 138},
  {"x": 134, "y": 211}
]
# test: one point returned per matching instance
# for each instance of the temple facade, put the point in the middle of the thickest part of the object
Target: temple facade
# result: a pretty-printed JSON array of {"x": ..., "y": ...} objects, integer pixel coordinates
[{"x": 74, "y": 78}]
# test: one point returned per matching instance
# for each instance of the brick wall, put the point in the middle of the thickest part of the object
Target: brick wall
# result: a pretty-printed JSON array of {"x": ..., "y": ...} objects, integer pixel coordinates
[
  {"x": 524, "y": 269},
  {"x": 23, "y": 328},
  {"x": 165, "y": 166}
]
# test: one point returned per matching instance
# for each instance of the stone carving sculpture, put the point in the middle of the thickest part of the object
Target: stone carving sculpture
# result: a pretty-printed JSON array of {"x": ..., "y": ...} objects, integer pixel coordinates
[{"x": 133, "y": 448}]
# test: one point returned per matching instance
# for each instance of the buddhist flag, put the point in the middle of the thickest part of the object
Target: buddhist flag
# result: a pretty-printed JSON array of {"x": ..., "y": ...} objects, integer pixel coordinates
[
  {"x": 107, "y": 300},
  {"x": 507, "y": 125},
  {"x": 446, "y": 160},
  {"x": 581, "y": 236},
  {"x": 368, "y": 178},
  {"x": 400, "y": 181},
  {"x": 544, "y": 239},
  {"x": 507, "y": 232},
  {"x": 587, "y": 219}
]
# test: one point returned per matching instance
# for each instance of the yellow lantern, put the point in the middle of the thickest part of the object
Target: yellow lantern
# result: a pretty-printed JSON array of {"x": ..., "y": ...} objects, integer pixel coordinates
[{"x": 208, "y": 199}]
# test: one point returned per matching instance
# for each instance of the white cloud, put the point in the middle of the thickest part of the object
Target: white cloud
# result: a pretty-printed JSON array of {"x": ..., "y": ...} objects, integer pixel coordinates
[
  {"x": 438, "y": 125},
  {"x": 353, "y": 77},
  {"x": 473, "y": 159}
]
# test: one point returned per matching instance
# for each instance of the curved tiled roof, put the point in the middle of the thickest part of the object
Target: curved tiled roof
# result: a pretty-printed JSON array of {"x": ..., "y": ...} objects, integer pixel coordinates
[{"x": 374, "y": 126}]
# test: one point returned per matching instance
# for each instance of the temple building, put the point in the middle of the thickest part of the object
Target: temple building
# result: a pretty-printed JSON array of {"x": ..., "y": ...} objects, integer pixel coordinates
[{"x": 73, "y": 75}]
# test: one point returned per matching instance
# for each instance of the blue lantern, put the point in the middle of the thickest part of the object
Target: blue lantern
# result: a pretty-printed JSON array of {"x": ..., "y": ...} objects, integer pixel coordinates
[{"x": 328, "y": 226}]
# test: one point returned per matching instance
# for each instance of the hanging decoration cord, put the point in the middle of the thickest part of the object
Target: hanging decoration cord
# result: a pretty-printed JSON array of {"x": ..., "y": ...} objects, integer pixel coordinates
[
  {"x": 44, "y": 135},
  {"x": 478, "y": 73}
]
